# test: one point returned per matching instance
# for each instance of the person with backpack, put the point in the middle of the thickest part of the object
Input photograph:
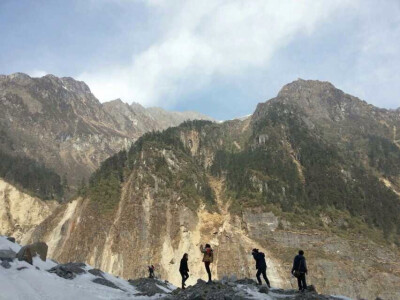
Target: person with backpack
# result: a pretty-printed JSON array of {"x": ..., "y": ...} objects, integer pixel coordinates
[
  {"x": 184, "y": 269},
  {"x": 261, "y": 266},
  {"x": 299, "y": 270},
  {"x": 208, "y": 258}
]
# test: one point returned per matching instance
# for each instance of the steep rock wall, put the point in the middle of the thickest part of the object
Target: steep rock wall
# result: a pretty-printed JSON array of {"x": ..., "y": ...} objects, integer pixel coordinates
[
  {"x": 148, "y": 228},
  {"x": 20, "y": 213}
]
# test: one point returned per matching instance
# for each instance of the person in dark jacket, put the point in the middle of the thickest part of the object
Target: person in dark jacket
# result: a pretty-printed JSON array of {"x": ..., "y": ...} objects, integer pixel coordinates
[
  {"x": 299, "y": 270},
  {"x": 208, "y": 258},
  {"x": 184, "y": 269},
  {"x": 261, "y": 266}
]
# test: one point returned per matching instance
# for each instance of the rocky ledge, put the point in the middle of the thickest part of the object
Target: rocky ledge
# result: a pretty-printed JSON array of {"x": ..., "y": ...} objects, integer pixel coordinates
[
  {"x": 26, "y": 272},
  {"x": 245, "y": 288}
]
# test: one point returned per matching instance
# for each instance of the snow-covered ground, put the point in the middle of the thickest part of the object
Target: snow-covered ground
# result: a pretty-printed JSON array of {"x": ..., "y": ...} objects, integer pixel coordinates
[
  {"x": 35, "y": 282},
  {"x": 23, "y": 281}
]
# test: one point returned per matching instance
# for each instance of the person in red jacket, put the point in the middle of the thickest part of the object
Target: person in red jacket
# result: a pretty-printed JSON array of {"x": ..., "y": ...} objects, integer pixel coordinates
[
  {"x": 151, "y": 271},
  {"x": 208, "y": 258}
]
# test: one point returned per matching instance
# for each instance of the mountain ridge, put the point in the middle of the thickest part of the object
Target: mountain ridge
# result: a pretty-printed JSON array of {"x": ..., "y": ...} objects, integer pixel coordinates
[
  {"x": 58, "y": 122},
  {"x": 319, "y": 177}
]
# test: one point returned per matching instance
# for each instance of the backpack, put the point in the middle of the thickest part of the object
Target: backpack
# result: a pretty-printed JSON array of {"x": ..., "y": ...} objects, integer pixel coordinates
[{"x": 297, "y": 273}]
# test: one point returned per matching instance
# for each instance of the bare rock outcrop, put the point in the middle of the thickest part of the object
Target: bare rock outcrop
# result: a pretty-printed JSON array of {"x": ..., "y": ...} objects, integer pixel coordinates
[{"x": 26, "y": 253}]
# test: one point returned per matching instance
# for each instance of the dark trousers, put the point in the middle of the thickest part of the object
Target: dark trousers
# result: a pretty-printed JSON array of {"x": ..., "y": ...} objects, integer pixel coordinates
[
  {"x": 301, "y": 281},
  {"x": 185, "y": 276},
  {"x": 262, "y": 271},
  {"x": 207, "y": 264}
]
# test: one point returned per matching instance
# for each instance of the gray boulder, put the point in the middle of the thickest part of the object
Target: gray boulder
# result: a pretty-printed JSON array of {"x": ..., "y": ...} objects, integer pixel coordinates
[
  {"x": 77, "y": 268},
  {"x": 224, "y": 279},
  {"x": 148, "y": 286},
  {"x": 106, "y": 282},
  {"x": 233, "y": 278},
  {"x": 311, "y": 288},
  {"x": 27, "y": 252},
  {"x": 246, "y": 281},
  {"x": 96, "y": 272},
  {"x": 69, "y": 270},
  {"x": 11, "y": 239},
  {"x": 264, "y": 289},
  {"x": 5, "y": 264},
  {"x": 7, "y": 255},
  {"x": 217, "y": 290},
  {"x": 282, "y": 292}
]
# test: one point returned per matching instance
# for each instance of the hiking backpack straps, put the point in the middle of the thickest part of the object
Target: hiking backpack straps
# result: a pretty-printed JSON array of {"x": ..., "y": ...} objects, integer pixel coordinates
[{"x": 297, "y": 273}]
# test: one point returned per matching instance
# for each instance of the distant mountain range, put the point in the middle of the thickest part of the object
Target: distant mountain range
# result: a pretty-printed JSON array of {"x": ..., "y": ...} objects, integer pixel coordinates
[{"x": 58, "y": 123}]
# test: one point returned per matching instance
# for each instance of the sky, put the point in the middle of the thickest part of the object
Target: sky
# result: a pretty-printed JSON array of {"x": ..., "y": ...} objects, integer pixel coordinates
[{"x": 216, "y": 57}]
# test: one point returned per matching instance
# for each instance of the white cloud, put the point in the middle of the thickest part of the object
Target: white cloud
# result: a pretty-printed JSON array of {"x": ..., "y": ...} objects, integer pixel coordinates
[
  {"x": 203, "y": 40},
  {"x": 376, "y": 67}
]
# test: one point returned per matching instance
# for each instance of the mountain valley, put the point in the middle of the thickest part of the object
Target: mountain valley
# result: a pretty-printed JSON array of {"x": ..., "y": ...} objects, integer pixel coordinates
[{"x": 313, "y": 168}]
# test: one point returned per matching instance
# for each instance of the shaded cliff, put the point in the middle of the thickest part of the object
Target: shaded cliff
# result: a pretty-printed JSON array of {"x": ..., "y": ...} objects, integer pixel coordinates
[{"x": 20, "y": 213}]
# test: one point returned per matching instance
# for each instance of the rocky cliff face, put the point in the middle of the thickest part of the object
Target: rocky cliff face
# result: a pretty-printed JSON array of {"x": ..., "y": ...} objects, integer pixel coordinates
[
  {"x": 150, "y": 229},
  {"x": 313, "y": 168},
  {"x": 367, "y": 134},
  {"x": 58, "y": 122},
  {"x": 20, "y": 213},
  {"x": 340, "y": 115}
]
